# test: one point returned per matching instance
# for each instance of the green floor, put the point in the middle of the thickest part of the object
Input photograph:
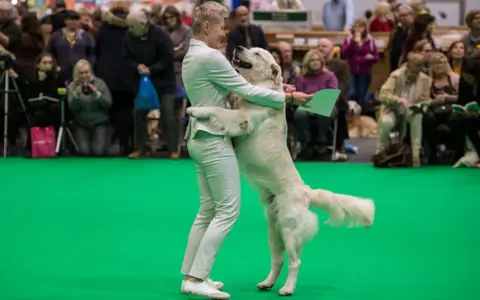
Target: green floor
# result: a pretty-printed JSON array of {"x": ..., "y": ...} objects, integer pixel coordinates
[{"x": 114, "y": 229}]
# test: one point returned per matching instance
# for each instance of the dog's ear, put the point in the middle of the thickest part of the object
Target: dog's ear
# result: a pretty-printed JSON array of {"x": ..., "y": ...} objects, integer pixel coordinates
[{"x": 276, "y": 74}]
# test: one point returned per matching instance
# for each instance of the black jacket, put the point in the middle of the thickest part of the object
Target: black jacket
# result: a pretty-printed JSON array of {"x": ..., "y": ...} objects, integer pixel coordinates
[
  {"x": 236, "y": 37},
  {"x": 398, "y": 38},
  {"x": 14, "y": 33},
  {"x": 155, "y": 50}
]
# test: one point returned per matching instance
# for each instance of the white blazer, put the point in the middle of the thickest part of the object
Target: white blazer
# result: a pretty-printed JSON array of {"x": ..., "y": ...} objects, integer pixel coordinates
[{"x": 209, "y": 77}]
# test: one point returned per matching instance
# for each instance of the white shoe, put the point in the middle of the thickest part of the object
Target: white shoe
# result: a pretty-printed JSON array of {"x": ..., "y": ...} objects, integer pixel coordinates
[
  {"x": 467, "y": 161},
  {"x": 218, "y": 284},
  {"x": 204, "y": 289}
]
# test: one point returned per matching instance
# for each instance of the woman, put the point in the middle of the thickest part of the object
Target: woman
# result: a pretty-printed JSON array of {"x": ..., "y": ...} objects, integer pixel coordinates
[
  {"x": 425, "y": 49},
  {"x": 315, "y": 77},
  {"x": 361, "y": 53},
  {"x": 422, "y": 28},
  {"x": 444, "y": 93},
  {"x": 181, "y": 35},
  {"x": 383, "y": 21},
  {"x": 32, "y": 45},
  {"x": 209, "y": 78},
  {"x": 89, "y": 100},
  {"x": 456, "y": 55},
  {"x": 114, "y": 71}
]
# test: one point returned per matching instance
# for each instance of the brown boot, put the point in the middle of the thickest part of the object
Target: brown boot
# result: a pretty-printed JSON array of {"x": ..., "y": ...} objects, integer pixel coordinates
[{"x": 174, "y": 155}]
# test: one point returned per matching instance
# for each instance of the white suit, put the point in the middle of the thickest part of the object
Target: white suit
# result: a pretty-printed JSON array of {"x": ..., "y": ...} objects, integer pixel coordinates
[{"x": 209, "y": 78}]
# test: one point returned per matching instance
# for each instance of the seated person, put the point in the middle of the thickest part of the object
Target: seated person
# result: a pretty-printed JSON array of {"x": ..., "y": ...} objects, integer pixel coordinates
[
  {"x": 44, "y": 84},
  {"x": 315, "y": 77},
  {"x": 405, "y": 86},
  {"x": 443, "y": 92},
  {"x": 89, "y": 100},
  {"x": 468, "y": 124}
]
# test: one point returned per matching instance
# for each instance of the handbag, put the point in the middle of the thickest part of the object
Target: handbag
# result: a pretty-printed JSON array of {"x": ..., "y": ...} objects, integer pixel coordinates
[
  {"x": 43, "y": 142},
  {"x": 147, "y": 97},
  {"x": 397, "y": 155}
]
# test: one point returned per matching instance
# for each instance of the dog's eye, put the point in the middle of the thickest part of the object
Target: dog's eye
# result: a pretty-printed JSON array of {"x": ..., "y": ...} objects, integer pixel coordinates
[{"x": 257, "y": 54}]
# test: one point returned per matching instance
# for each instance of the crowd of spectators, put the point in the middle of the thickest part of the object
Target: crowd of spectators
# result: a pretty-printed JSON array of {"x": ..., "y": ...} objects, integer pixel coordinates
[{"x": 99, "y": 58}]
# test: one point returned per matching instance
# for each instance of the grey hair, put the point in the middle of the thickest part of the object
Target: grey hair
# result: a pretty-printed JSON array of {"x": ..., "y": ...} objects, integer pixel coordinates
[
  {"x": 209, "y": 11},
  {"x": 405, "y": 7},
  {"x": 137, "y": 16}
]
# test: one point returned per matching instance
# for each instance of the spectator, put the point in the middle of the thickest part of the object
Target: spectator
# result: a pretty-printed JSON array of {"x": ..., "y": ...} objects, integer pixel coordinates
[
  {"x": 46, "y": 28},
  {"x": 148, "y": 49},
  {"x": 245, "y": 34},
  {"x": 405, "y": 86},
  {"x": 399, "y": 35},
  {"x": 338, "y": 15},
  {"x": 44, "y": 83},
  {"x": 31, "y": 46},
  {"x": 97, "y": 17},
  {"x": 469, "y": 89},
  {"x": 156, "y": 14},
  {"x": 341, "y": 71},
  {"x": 290, "y": 68},
  {"x": 421, "y": 30},
  {"x": 472, "y": 38},
  {"x": 70, "y": 45},
  {"x": 114, "y": 71},
  {"x": 10, "y": 32},
  {"x": 180, "y": 35},
  {"x": 277, "y": 55},
  {"x": 383, "y": 19},
  {"x": 361, "y": 53},
  {"x": 89, "y": 100},
  {"x": 86, "y": 21},
  {"x": 59, "y": 16},
  {"x": 444, "y": 92},
  {"x": 425, "y": 48},
  {"x": 456, "y": 55},
  {"x": 315, "y": 77}
]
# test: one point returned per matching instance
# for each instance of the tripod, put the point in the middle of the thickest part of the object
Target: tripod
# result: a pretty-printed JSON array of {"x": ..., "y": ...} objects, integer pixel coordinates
[
  {"x": 5, "y": 82},
  {"x": 64, "y": 128}
]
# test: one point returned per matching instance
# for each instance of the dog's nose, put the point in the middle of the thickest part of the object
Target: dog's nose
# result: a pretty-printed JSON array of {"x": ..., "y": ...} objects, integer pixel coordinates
[{"x": 239, "y": 48}]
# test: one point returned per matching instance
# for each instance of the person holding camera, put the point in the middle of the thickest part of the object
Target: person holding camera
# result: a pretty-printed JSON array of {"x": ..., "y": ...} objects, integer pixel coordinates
[{"x": 89, "y": 100}]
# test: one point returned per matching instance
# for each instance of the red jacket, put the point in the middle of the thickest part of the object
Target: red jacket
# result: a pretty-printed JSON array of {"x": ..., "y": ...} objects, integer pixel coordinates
[{"x": 378, "y": 26}]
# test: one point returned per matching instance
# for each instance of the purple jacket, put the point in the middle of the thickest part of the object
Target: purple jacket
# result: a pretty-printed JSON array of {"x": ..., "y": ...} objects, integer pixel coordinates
[
  {"x": 354, "y": 53},
  {"x": 314, "y": 82}
]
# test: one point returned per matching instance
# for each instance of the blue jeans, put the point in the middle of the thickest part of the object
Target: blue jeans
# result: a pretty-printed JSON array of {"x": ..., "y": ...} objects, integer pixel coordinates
[
  {"x": 359, "y": 87},
  {"x": 93, "y": 140}
]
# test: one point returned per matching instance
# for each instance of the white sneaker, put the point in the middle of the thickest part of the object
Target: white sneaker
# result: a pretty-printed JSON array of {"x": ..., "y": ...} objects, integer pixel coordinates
[
  {"x": 204, "y": 289},
  {"x": 218, "y": 284},
  {"x": 467, "y": 161}
]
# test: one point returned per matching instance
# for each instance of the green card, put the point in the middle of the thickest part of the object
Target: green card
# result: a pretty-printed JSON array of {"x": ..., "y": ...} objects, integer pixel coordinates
[{"x": 322, "y": 102}]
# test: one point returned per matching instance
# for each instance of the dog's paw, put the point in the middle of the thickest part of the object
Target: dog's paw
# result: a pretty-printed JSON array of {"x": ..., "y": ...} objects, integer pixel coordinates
[
  {"x": 264, "y": 285},
  {"x": 286, "y": 291}
]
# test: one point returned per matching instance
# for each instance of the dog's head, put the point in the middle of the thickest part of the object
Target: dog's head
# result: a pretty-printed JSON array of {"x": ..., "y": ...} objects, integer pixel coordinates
[
  {"x": 257, "y": 66},
  {"x": 354, "y": 109}
]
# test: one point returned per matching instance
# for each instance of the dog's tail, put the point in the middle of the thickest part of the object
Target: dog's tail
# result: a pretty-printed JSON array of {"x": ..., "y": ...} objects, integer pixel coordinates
[{"x": 344, "y": 209}]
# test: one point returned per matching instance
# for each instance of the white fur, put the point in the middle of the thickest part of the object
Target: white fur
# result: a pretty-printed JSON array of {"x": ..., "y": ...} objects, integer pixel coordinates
[{"x": 265, "y": 161}]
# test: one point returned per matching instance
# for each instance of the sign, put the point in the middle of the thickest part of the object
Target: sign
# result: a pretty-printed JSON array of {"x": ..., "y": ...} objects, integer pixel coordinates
[{"x": 282, "y": 19}]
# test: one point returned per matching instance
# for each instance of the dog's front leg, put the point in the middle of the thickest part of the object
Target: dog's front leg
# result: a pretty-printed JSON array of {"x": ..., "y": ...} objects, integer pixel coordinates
[{"x": 275, "y": 243}]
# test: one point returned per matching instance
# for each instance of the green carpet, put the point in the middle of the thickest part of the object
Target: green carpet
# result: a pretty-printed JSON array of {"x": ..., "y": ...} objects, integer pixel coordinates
[{"x": 115, "y": 229}]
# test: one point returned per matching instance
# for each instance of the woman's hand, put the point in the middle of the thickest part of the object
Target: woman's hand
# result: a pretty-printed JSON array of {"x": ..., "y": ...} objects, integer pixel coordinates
[
  {"x": 42, "y": 75},
  {"x": 441, "y": 97},
  {"x": 288, "y": 88},
  {"x": 369, "y": 56},
  {"x": 78, "y": 89},
  {"x": 93, "y": 88},
  {"x": 298, "y": 98}
]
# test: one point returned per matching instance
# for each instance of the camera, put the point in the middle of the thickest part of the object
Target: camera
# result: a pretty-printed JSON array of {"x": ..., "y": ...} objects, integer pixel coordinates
[{"x": 86, "y": 90}]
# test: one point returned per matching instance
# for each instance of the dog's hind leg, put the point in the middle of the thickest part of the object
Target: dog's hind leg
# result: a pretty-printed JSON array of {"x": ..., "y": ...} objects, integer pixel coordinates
[{"x": 275, "y": 242}]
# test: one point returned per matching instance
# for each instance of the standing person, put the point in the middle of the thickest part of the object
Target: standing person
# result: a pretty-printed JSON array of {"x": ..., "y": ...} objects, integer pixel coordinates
[
  {"x": 147, "y": 49},
  {"x": 209, "y": 78},
  {"x": 399, "y": 35}
]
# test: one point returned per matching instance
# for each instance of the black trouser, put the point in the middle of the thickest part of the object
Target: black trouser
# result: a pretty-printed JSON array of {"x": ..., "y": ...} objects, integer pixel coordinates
[
  {"x": 472, "y": 127},
  {"x": 431, "y": 135},
  {"x": 121, "y": 117}
]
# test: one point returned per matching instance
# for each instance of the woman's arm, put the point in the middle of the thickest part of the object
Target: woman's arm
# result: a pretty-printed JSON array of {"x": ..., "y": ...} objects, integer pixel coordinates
[
  {"x": 221, "y": 72},
  {"x": 346, "y": 48},
  {"x": 74, "y": 101},
  {"x": 103, "y": 96}
]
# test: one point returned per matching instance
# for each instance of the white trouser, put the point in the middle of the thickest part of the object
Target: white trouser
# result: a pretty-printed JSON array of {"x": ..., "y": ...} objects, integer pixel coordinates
[{"x": 219, "y": 185}]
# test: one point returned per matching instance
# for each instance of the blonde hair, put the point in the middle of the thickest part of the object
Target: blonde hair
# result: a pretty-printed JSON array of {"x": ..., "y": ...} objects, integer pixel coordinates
[
  {"x": 418, "y": 47},
  {"x": 440, "y": 58},
  {"x": 308, "y": 57},
  {"x": 383, "y": 8},
  {"x": 211, "y": 12},
  {"x": 78, "y": 65}
]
